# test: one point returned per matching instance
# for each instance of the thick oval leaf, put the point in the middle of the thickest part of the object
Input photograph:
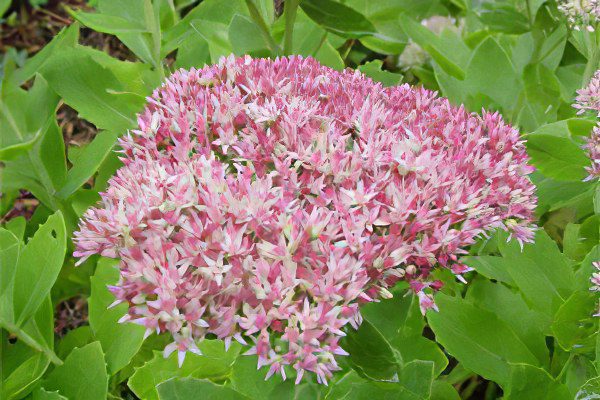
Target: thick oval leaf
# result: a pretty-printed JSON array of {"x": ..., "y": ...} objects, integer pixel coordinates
[
  {"x": 82, "y": 376},
  {"x": 556, "y": 154},
  {"x": 530, "y": 382},
  {"x": 214, "y": 363},
  {"x": 481, "y": 341},
  {"x": 574, "y": 326},
  {"x": 338, "y": 18},
  {"x": 88, "y": 162},
  {"x": 108, "y": 23},
  {"x": 92, "y": 89},
  {"x": 120, "y": 342},
  {"x": 370, "y": 352},
  {"x": 190, "y": 389},
  {"x": 541, "y": 272},
  {"x": 38, "y": 267}
]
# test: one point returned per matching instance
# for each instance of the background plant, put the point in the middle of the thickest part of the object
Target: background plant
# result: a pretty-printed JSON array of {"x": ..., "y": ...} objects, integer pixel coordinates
[{"x": 522, "y": 328}]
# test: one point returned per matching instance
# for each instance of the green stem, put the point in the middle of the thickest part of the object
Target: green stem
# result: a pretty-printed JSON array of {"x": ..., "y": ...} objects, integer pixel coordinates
[
  {"x": 346, "y": 50},
  {"x": 290, "y": 9},
  {"x": 564, "y": 368},
  {"x": 21, "y": 334},
  {"x": 262, "y": 25}
]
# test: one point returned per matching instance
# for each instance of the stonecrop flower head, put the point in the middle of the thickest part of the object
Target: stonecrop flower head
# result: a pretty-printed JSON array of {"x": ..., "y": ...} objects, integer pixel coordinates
[
  {"x": 263, "y": 200},
  {"x": 588, "y": 100},
  {"x": 581, "y": 13}
]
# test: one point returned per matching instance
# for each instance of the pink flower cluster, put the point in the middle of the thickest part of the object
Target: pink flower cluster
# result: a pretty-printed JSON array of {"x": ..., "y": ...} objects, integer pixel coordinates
[
  {"x": 588, "y": 99},
  {"x": 263, "y": 201}
]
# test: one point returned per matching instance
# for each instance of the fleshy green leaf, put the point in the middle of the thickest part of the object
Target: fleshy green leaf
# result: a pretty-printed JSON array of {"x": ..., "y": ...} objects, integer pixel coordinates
[
  {"x": 338, "y": 18},
  {"x": 39, "y": 265},
  {"x": 509, "y": 306},
  {"x": 93, "y": 90},
  {"x": 373, "y": 69},
  {"x": 82, "y": 376},
  {"x": 109, "y": 23},
  {"x": 530, "y": 382},
  {"x": 24, "y": 116},
  {"x": 542, "y": 273},
  {"x": 556, "y": 154},
  {"x": 370, "y": 352},
  {"x": 190, "y": 388},
  {"x": 120, "y": 342},
  {"x": 480, "y": 340},
  {"x": 249, "y": 381},
  {"x": 214, "y": 363},
  {"x": 42, "y": 394},
  {"x": 89, "y": 161},
  {"x": 574, "y": 326}
]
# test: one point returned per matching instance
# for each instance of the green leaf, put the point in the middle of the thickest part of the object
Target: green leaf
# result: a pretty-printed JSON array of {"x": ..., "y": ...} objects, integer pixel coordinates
[
  {"x": 67, "y": 37},
  {"x": 540, "y": 99},
  {"x": 586, "y": 269},
  {"x": 400, "y": 321},
  {"x": 82, "y": 376},
  {"x": 370, "y": 352},
  {"x": 108, "y": 23},
  {"x": 450, "y": 58},
  {"x": 189, "y": 388},
  {"x": 17, "y": 227},
  {"x": 24, "y": 116},
  {"x": 146, "y": 45},
  {"x": 553, "y": 195},
  {"x": 353, "y": 387},
  {"x": 246, "y": 37},
  {"x": 578, "y": 370},
  {"x": 338, "y": 18},
  {"x": 556, "y": 154},
  {"x": 4, "y": 5},
  {"x": 93, "y": 90},
  {"x": 589, "y": 390},
  {"x": 492, "y": 267},
  {"x": 42, "y": 394},
  {"x": 38, "y": 267},
  {"x": 77, "y": 337},
  {"x": 417, "y": 377},
  {"x": 120, "y": 342},
  {"x": 391, "y": 316},
  {"x": 249, "y": 381},
  {"x": 374, "y": 70},
  {"x": 441, "y": 390},
  {"x": 531, "y": 382},
  {"x": 541, "y": 272},
  {"x": 579, "y": 239},
  {"x": 509, "y": 306},
  {"x": 215, "y": 34},
  {"x": 214, "y": 363},
  {"x": 481, "y": 341},
  {"x": 19, "y": 382},
  {"x": 86, "y": 165},
  {"x": 329, "y": 56},
  {"x": 504, "y": 18},
  {"x": 391, "y": 39},
  {"x": 10, "y": 252},
  {"x": 490, "y": 59},
  {"x": 208, "y": 10},
  {"x": 574, "y": 325}
]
